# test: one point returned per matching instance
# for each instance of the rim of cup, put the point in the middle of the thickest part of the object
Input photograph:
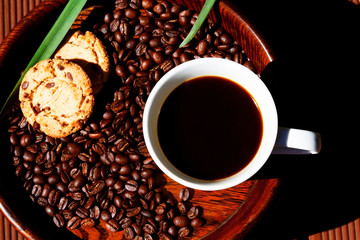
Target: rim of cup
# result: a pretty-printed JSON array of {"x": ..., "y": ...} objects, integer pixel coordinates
[{"x": 210, "y": 67}]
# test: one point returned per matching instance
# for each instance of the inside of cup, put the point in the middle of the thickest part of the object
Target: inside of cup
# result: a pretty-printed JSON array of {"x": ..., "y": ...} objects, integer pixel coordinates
[{"x": 210, "y": 67}]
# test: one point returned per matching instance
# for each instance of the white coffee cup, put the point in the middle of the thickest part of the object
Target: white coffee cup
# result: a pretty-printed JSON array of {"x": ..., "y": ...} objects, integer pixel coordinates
[{"x": 275, "y": 139}]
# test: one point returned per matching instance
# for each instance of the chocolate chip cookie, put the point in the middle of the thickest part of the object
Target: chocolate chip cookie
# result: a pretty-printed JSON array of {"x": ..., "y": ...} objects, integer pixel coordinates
[
  {"x": 57, "y": 95},
  {"x": 87, "y": 51}
]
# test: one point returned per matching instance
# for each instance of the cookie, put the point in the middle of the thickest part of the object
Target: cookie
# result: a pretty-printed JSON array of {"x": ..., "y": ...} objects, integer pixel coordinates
[
  {"x": 57, "y": 95},
  {"x": 89, "y": 52}
]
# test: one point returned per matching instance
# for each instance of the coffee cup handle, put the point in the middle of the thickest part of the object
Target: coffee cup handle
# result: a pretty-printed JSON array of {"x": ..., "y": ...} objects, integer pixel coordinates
[{"x": 296, "y": 141}]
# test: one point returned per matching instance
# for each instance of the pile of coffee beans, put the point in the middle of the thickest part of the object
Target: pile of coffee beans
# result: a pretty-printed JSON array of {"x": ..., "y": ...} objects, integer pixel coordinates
[{"x": 104, "y": 172}]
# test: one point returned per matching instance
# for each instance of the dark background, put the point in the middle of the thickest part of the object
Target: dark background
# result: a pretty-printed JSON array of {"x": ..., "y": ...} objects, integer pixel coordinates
[{"x": 315, "y": 82}]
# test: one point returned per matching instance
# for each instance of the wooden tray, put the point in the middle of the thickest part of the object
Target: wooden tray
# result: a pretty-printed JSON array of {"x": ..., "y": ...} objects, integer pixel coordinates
[{"x": 228, "y": 213}]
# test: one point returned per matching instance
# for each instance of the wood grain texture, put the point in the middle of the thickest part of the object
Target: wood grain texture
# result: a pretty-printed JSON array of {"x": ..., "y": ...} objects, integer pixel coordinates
[
  {"x": 8, "y": 231},
  {"x": 12, "y": 11},
  {"x": 26, "y": 25},
  {"x": 349, "y": 231},
  {"x": 228, "y": 213}
]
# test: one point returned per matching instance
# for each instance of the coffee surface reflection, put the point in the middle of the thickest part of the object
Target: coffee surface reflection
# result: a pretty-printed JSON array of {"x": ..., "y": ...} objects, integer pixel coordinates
[{"x": 210, "y": 127}]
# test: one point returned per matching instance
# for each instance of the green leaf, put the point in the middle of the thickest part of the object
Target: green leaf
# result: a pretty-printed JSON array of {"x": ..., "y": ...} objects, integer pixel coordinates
[
  {"x": 51, "y": 41},
  {"x": 199, "y": 21}
]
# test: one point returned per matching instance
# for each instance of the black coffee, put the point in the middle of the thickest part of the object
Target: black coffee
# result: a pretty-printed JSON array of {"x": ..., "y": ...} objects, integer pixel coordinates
[{"x": 210, "y": 128}]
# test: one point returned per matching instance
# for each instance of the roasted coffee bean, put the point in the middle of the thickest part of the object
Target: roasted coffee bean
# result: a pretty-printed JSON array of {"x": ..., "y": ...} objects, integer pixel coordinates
[
  {"x": 184, "y": 231},
  {"x": 99, "y": 147},
  {"x": 148, "y": 4},
  {"x": 95, "y": 212},
  {"x": 183, "y": 209},
  {"x": 125, "y": 170},
  {"x": 193, "y": 212},
  {"x": 159, "y": 8},
  {"x": 61, "y": 186},
  {"x": 148, "y": 228},
  {"x": 138, "y": 30},
  {"x": 105, "y": 215},
  {"x": 113, "y": 211},
  {"x": 96, "y": 187},
  {"x": 131, "y": 13},
  {"x": 50, "y": 210},
  {"x": 125, "y": 222},
  {"x": 160, "y": 217},
  {"x": 129, "y": 233},
  {"x": 184, "y": 57},
  {"x": 147, "y": 213},
  {"x": 18, "y": 151},
  {"x": 54, "y": 197},
  {"x": 202, "y": 47},
  {"x": 161, "y": 208},
  {"x": 163, "y": 226},
  {"x": 121, "y": 71},
  {"x": 53, "y": 179},
  {"x": 121, "y": 4},
  {"x": 64, "y": 177},
  {"x": 118, "y": 186},
  {"x": 124, "y": 29},
  {"x": 87, "y": 223},
  {"x": 90, "y": 202},
  {"x": 146, "y": 64},
  {"x": 131, "y": 43},
  {"x": 132, "y": 212},
  {"x": 96, "y": 135},
  {"x": 82, "y": 212},
  {"x": 73, "y": 205},
  {"x": 173, "y": 231},
  {"x": 167, "y": 65},
  {"x": 170, "y": 214},
  {"x": 171, "y": 201},
  {"x": 143, "y": 190},
  {"x": 26, "y": 140},
  {"x": 94, "y": 174},
  {"x": 36, "y": 190},
  {"x": 59, "y": 220},
  {"x": 146, "y": 173},
  {"x": 225, "y": 38},
  {"x": 104, "y": 28},
  {"x": 68, "y": 214},
  {"x": 73, "y": 148},
  {"x": 28, "y": 156},
  {"x": 74, "y": 222},
  {"x": 197, "y": 222},
  {"x": 185, "y": 194},
  {"x": 63, "y": 203},
  {"x": 14, "y": 140},
  {"x": 181, "y": 221},
  {"x": 113, "y": 225},
  {"x": 79, "y": 181},
  {"x": 42, "y": 201},
  {"x": 107, "y": 18},
  {"x": 157, "y": 57},
  {"x": 114, "y": 25},
  {"x": 131, "y": 185}
]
